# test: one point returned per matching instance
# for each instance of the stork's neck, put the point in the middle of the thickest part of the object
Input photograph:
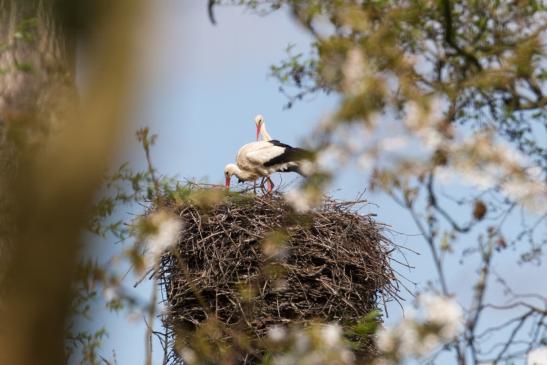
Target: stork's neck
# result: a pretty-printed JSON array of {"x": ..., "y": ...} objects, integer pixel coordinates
[
  {"x": 242, "y": 174},
  {"x": 265, "y": 134}
]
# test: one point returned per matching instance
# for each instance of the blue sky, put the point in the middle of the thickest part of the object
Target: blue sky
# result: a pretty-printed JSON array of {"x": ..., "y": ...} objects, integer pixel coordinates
[{"x": 200, "y": 87}]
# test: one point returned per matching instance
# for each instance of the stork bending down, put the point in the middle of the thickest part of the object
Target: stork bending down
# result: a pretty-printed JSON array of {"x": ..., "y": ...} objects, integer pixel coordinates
[{"x": 260, "y": 159}]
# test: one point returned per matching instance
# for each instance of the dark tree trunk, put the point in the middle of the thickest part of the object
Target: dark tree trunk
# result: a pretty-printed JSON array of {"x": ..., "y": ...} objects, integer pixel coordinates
[
  {"x": 36, "y": 63},
  {"x": 36, "y": 86},
  {"x": 36, "y": 91},
  {"x": 50, "y": 179}
]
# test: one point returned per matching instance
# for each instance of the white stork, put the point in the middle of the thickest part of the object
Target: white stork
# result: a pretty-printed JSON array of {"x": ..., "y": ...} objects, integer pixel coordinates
[
  {"x": 260, "y": 159},
  {"x": 261, "y": 128}
]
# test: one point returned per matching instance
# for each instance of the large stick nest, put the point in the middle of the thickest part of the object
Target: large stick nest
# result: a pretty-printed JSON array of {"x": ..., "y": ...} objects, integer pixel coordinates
[{"x": 252, "y": 263}]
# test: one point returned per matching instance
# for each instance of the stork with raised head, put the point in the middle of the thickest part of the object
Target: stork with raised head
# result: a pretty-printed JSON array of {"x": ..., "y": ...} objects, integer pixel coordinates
[
  {"x": 261, "y": 128},
  {"x": 260, "y": 159}
]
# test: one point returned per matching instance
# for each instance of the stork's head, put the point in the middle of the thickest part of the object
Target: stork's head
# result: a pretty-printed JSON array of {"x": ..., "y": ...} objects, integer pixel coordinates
[
  {"x": 259, "y": 121},
  {"x": 229, "y": 170}
]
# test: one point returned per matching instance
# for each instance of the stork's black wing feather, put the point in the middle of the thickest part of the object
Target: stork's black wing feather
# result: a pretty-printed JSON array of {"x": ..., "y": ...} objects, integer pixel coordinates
[
  {"x": 291, "y": 154},
  {"x": 277, "y": 143}
]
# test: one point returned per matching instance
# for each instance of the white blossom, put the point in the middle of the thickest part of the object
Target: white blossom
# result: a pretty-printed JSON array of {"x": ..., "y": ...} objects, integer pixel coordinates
[
  {"x": 537, "y": 356},
  {"x": 315, "y": 345},
  {"x": 429, "y": 343},
  {"x": 481, "y": 178},
  {"x": 330, "y": 157},
  {"x": 331, "y": 334},
  {"x": 354, "y": 71},
  {"x": 188, "y": 355},
  {"x": 393, "y": 143},
  {"x": 301, "y": 342},
  {"x": 415, "y": 336},
  {"x": 386, "y": 340},
  {"x": 365, "y": 161},
  {"x": 529, "y": 191},
  {"x": 308, "y": 168},
  {"x": 424, "y": 121},
  {"x": 382, "y": 361},
  {"x": 110, "y": 293},
  {"x": 408, "y": 339},
  {"x": 302, "y": 200},
  {"x": 485, "y": 163},
  {"x": 166, "y": 235},
  {"x": 443, "y": 312},
  {"x": 277, "y": 333}
]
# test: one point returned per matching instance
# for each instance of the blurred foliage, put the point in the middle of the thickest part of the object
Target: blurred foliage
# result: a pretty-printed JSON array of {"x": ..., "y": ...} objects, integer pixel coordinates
[
  {"x": 443, "y": 104},
  {"x": 54, "y": 147},
  {"x": 481, "y": 58},
  {"x": 431, "y": 91},
  {"x": 297, "y": 72},
  {"x": 127, "y": 190}
]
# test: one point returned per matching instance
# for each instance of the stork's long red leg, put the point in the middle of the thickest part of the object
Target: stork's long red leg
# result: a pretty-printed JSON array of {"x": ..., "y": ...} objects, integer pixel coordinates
[
  {"x": 261, "y": 185},
  {"x": 270, "y": 184}
]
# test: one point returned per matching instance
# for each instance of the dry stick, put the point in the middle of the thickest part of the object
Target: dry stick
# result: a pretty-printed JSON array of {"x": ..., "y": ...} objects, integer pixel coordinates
[
  {"x": 478, "y": 306},
  {"x": 433, "y": 201},
  {"x": 149, "y": 324},
  {"x": 537, "y": 332},
  {"x": 435, "y": 255},
  {"x": 429, "y": 239},
  {"x": 509, "y": 341},
  {"x": 479, "y": 298},
  {"x": 144, "y": 276}
]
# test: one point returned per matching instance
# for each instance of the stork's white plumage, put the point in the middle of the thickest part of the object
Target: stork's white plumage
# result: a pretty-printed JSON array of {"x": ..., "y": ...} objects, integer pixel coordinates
[
  {"x": 261, "y": 128},
  {"x": 260, "y": 159}
]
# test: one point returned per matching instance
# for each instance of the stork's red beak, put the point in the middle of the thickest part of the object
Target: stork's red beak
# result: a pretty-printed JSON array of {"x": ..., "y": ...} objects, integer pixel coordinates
[
  {"x": 258, "y": 127},
  {"x": 227, "y": 183}
]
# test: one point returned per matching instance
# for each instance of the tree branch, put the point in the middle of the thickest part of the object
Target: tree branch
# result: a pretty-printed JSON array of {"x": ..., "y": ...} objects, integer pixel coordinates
[
  {"x": 450, "y": 37},
  {"x": 433, "y": 201}
]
